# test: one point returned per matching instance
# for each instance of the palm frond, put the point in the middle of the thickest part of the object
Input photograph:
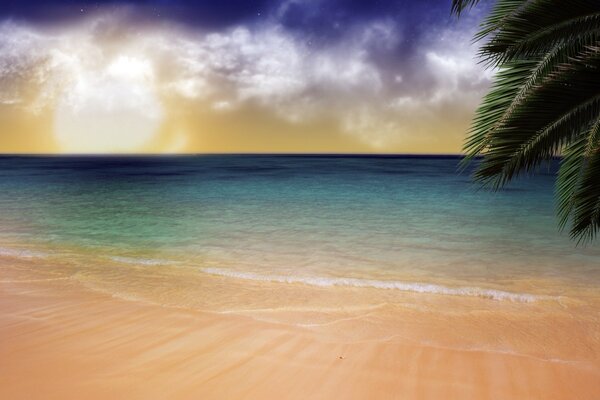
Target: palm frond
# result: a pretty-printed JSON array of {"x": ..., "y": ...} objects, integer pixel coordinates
[
  {"x": 584, "y": 203},
  {"x": 571, "y": 170},
  {"x": 458, "y": 6},
  {"x": 544, "y": 101}
]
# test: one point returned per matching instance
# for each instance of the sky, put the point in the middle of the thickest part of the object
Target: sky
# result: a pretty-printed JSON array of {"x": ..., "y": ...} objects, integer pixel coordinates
[{"x": 287, "y": 76}]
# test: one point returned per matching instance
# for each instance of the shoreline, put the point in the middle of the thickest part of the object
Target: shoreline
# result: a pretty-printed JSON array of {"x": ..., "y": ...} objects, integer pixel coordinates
[{"x": 62, "y": 340}]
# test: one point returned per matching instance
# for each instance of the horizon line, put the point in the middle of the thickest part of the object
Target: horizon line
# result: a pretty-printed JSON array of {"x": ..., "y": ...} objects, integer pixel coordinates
[{"x": 329, "y": 154}]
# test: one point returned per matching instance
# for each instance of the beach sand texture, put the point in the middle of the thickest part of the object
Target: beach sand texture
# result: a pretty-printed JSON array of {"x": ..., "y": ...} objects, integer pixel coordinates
[
  {"x": 280, "y": 277},
  {"x": 59, "y": 340}
]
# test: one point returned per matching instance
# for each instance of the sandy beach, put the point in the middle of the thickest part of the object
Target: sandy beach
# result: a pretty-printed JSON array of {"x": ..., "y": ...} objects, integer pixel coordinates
[
  {"x": 299, "y": 200},
  {"x": 59, "y": 340}
]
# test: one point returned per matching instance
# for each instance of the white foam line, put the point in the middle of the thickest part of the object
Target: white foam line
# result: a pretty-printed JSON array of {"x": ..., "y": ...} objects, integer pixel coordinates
[
  {"x": 389, "y": 285},
  {"x": 16, "y": 253},
  {"x": 140, "y": 261}
]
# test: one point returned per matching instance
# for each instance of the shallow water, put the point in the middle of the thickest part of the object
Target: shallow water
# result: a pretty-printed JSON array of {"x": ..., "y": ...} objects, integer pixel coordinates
[
  {"x": 361, "y": 248},
  {"x": 408, "y": 224}
]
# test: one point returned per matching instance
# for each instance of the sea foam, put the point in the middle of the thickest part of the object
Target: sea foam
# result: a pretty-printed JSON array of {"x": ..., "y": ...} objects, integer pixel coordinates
[
  {"x": 140, "y": 261},
  {"x": 21, "y": 253},
  {"x": 415, "y": 287}
]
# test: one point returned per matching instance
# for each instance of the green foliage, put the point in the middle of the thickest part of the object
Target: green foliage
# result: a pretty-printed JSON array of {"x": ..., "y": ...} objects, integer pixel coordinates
[
  {"x": 459, "y": 6},
  {"x": 544, "y": 101}
]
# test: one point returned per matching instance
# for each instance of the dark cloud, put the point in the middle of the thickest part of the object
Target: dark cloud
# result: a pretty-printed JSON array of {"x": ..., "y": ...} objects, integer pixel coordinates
[
  {"x": 211, "y": 14},
  {"x": 317, "y": 17},
  {"x": 319, "y": 22}
]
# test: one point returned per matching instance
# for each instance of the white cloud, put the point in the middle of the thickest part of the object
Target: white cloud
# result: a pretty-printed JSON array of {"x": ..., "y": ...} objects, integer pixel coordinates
[
  {"x": 265, "y": 65},
  {"x": 222, "y": 105},
  {"x": 451, "y": 81},
  {"x": 451, "y": 62}
]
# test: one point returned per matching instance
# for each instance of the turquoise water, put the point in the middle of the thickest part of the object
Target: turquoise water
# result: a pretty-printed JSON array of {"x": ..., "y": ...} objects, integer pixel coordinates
[{"x": 381, "y": 222}]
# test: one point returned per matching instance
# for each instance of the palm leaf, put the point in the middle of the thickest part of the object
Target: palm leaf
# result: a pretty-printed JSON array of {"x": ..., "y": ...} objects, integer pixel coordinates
[
  {"x": 544, "y": 101},
  {"x": 458, "y": 6}
]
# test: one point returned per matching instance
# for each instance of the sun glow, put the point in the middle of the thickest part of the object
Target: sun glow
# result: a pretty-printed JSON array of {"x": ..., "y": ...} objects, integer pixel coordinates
[
  {"x": 115, "y": 109},
  {"x": 101, "y": 87}
]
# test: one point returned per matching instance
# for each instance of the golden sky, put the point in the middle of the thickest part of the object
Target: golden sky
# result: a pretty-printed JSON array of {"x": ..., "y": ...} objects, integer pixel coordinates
[{"x": 101, "y": 85}]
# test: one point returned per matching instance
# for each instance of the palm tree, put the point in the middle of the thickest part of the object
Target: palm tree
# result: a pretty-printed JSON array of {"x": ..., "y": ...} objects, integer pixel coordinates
[{"x": 544, "y": 101}]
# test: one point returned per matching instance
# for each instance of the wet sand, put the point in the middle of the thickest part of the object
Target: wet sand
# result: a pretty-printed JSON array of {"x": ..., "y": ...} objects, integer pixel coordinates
[{"x": 59, "y": 340}]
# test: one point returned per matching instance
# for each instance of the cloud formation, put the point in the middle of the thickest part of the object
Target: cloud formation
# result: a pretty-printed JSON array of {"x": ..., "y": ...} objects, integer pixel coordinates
[{"x": 359, "y": 80}]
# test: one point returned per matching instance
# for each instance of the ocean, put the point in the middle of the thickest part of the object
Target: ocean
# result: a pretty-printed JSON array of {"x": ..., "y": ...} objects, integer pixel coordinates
[{"x": 279, "y": 234}]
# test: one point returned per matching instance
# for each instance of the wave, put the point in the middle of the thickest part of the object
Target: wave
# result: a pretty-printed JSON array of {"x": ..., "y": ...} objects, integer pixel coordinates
[
  {"x": 415, "y": 287},
  {"x": 141, "y": 261},
  {"x": 21, "y": 253}
]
